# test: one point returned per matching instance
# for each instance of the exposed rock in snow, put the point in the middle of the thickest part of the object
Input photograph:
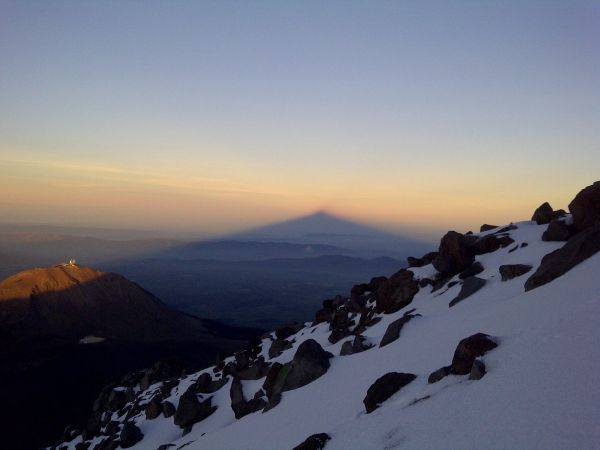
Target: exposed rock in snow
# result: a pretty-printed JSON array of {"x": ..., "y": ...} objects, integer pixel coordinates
[
  {"x": 384, "y": 387},
  {"x": 585, "y": 207}
]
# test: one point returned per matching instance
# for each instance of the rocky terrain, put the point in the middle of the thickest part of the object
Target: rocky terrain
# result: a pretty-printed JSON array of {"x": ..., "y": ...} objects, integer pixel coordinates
[
  {"x": 489, "y": 342},
  {"x": 66, "y": 330}
]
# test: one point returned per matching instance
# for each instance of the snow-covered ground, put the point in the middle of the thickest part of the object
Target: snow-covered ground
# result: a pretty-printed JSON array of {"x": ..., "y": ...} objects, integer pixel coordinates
[{"x": 541, "y": 390}]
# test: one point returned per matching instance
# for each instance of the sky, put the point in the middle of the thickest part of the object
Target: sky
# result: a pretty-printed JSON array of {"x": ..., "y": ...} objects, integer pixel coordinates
[{"x": 215, "y": 116}]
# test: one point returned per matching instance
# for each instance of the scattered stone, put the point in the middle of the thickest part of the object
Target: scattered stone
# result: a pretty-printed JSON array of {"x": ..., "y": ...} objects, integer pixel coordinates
[
  {"x": 477, "y": 371},
  {"x": 354, "y": 346},
  {"x": 580, "y": 247},
  {"x": 469, "y": 287},
  {"x": 474, "y": 269},
  {"x": 278, "y": 347},
  {"x": 168, "y": 408},
  {"x": 190, "y": 410},
  {"x": 309, "y": 363},
  {"x": 455, "y": 253},
  {"x": 524, "y": 244},
  {"x": 557, "y": 230},
  {"x": 486, "y": 227},
  {"x": 384, "y": 387},
  {"x": 393, "y": 330},
  {"x": 154, "y": 408},
  {"x": 585, "y": 207},
  {"x": 314, "y": 442},
  {"x": 437, "y": 375},
  {"x": 239, "y": 405},
  {"x": 510, "y": 271},
  {"x": 543, "y": 214},
  {"x": 468, "y": 349},
  {"x": 130, "y": 435}
]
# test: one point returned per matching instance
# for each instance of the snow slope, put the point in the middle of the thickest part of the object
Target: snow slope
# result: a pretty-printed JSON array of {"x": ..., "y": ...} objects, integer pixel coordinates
[{"x": 541, "y": 389}]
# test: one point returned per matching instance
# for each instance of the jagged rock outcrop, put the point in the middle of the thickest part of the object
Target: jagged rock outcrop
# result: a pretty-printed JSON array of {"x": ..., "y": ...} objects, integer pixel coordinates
[
  {"x": 543, "y": 214},
  {"x": 557, "y": 230},
  {"x": 510, "y": 271},
  {"x": 356, "y": 345},
  {"x": 384, "y": 387},
  {"x": 487, "y": 227},
  {"x": 469, "y": 287},
  {"x": 474, "y": 269},
  {"x": 455, "y": 253},
  {"x": 580, "y": 247},
  {"x": 396, "y": 292},
  {"x": 422, "y": 261}
]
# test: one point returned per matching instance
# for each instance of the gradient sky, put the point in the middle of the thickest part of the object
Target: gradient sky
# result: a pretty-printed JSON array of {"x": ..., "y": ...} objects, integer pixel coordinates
[{"x": 215, "y": 116}]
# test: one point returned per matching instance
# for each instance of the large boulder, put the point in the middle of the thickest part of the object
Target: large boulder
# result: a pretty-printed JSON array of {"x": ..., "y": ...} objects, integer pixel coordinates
[
  {"x": 190, "y": 410},
  {"x": 585, "y": 207},
  {"x": 397, "y": 292},
  {"x": 278, "y": 346},
  {"x": 543, "y": 214},
  {"x": 393, "y": 330},
  {"x": 469, "y": 287},
  {"x": 384, "y": 387},
  {"x": 579, "y": 248},
  {"x": 468, "y": 349},
  {"x": 130, "y": 435},
  {"x": 239, "y": 405},
  {"x": 557, "y": 230},
  {"x": 314, "y": 442},
  {"x": 309, "y": 363},
  {"x": 455, "y": 253},
  {"x": 510, "y": 271}
]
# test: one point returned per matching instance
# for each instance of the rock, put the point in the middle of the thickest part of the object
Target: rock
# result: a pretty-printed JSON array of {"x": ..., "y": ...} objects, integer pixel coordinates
[
  {"x": 557, "y": 230},
  {"x": 107, "y": 444},
  {"x": 477, "y": 371},
  {"x": 486, "y": 227},
  {"x": 165, "y": 446},
  {"x": 469, "y": 287},
  {"x": 130, "y": 435},
  {"x": 271, "y": 379},
  {"x": 83, "y": 445},
  {"x": 338, "y": 333},
  {"x": 396, "y": 292},
  {"x": 309, "y": 363},
  {"x": 455, "y": 253},
  {"x": 278, "y": 346},
  {"x": 168, "y": 408},
  {"x": 510, "y": 271},
  {"x": 239, "y": 405},
  {"x": 288, "y": 330},
  {"x": 585, "y": 207},
  {"x": 354, "y": 346},
  {"x": 468, "y": 349},
  {"x": 393, "y": 330},
  {"x": 580, "y": 247},
  {"x": 490, "y": 243},
  {"x": 154, "y": 408},
  {"x": 437, "y": 375},
  {"x": 190, "y": 410},
  {"x": 314, "y": 442},
  {"x": 112, "y": 428},
  {"x": 472, "y": 270},
  {"x": 117, "y": 399},
  {"x": 422, "y": 261},
  {"x": 543, "y": 214},
  {"x": 384, "y": 387}
]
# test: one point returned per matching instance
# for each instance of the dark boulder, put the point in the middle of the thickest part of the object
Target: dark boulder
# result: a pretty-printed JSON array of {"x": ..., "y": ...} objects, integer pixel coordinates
[
  {"x": 477, "y": 370},
  {"x": 579, "y": 248},
  {"x": 422, "y": 261},
  {"x": 354, "y": 346},
  {"x": 486, "y": 227},
  {"x": 278, "y": 346},
  {"x": 585, "y": 207},
  {"x": 474, "y": 269},
  {"x": 490, "y": 243},
  {"x": 255, "y": 371},
  {"x": 239, "y": 405},
  {"x": 168, "y": 408},
  {"x": 396, "y": 292},
  {"x": 314, "y": 442},
  {"x": 117, "y": 399},
  {"x": 543, "y": 214},
  {"x": 393, "y": 330},
  {"x": 288, "y": 330},
  {"x": 384, "y": 387},
  {"x": 130, "y": 435},
  {"x": 455, "y": 253},
  {"x": 190, "y": 410},
  {"x": 437, "y": 375},
  {"x": 154, "y": 408},
  {"x": 510, "y": 271},
  {"x": 557, "y": 230},
  {"x": 309, "y": 363},
  {"x": 468, "y": 349},
  {"x": 469, "y": 287}
]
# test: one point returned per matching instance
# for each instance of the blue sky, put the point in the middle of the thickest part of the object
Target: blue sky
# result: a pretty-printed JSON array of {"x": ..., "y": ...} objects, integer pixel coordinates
[{"x": 405, "y": 114}]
